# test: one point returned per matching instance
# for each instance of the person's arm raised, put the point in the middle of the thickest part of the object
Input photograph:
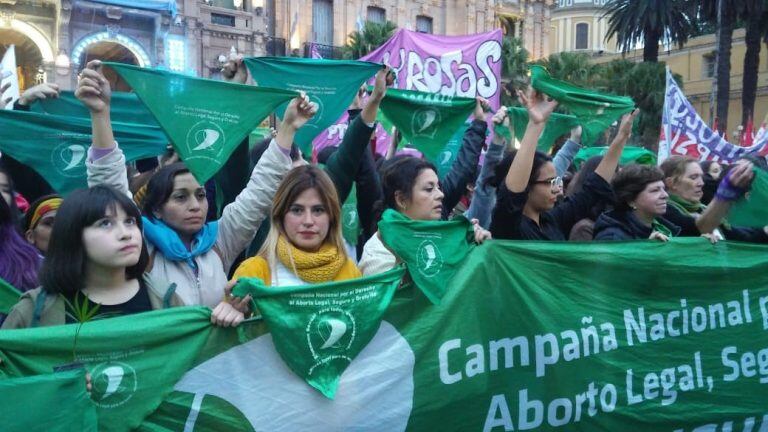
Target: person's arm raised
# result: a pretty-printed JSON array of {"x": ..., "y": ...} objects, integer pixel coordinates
[
  {"x": 384, "y": 78},
  {"x": 732, "y": 187},
  {"x": 94, "y": 92},
  {"x": 298, "y": 113},
  {"x": 607, "y": 167},
  {"x": 539, "y": 108}
]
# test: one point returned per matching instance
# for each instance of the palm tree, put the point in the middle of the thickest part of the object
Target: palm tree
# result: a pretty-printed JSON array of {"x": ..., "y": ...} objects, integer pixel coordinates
[
  {"x": 725, "y": 24},
  {"x": 514, "y": 67},
  {"x": 372, "y": 36},
  {"x": 755, "y": 14},
  {"x": 650, "y": 22},
  {"x": 576, "y": 68}
]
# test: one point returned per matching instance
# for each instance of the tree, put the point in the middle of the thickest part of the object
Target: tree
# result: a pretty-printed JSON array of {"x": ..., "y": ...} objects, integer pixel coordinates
[
  {"x": 576, "y": 68},
  {"x": 372, "y": 36},
  {"x": 725, "y": 25},
  {"x": 650, "y": 22},
  {"x": 755, "y": 14},
  {"x": 514, "y": 67}
]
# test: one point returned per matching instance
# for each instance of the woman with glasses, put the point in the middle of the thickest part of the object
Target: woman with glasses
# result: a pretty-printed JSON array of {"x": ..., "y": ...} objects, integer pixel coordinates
[{"x": 528, "y": 188}]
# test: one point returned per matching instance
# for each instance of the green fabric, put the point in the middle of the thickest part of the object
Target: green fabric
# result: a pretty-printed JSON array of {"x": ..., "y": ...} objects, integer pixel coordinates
[
  {"x": 661, "y": 228},
  {"x": 332, "y": 84},
  {"x": 450, "y": 152},
  {"x": 350, "y": 221},
  {"x": 427, "y": 121},
  {"x": 752, "y": 210},
  {"x": 9, "y": 296},
  {"x": 257, "y": 135},
  {"x": 595, "y": 111},
  {"x": 686, "y": 207},
  {"x": 557, "y": 126},
  {"x": 204, "y": 119},
  {"x": 434, "y": 250},
  {"x": 57, "y": 146},
  {"x": 123, "y": 107},
  {"x": 630, "y": 154},
  {"x": 54, "y": 402},
  {"x": 614, "y": 336},
  {"x": 320, "y": 329}
]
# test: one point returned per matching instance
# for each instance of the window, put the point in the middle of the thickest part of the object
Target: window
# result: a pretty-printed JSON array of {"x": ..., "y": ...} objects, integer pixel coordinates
[
  {"x": 708, "y": 65},
  {"x": 377, "y": 15},
  {"x": 227, "y": 4},
  {"x": 322, "y": 21},
  {"x": 176, "y": 54},
  {"x": 582, "y": 36},
  {"x": 221, "y": 19},
  {"x": 423, "y": 24}
]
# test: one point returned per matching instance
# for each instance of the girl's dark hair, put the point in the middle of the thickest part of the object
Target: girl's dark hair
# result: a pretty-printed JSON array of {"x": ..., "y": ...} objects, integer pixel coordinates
[
  {"x": 589, "y": 166},
  {"x": 631, "y": 180},
  {"x": 63, "y": 270},
  {"x": 500, "y": 173},
  {"x": 19, "y": 260},
  {"x": 400, "y": 175},
  {"x": 160, "y": 188}
]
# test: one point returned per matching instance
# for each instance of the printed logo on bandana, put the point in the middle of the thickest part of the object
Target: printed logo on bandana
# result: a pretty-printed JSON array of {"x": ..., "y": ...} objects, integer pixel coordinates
[
  {"x": 69, "y": 157},
  {"x": 205, "y": 139},
  {"x": 114, "y": 383},
  {"x": 350, "y": 218},
  {"x": 429, "y": 261},
  {"x": 424, "y": 122},
  {"x": 318, "y": 115},
  {"x": 330, "y": 333},
  {"x": 445, "y": 157}
]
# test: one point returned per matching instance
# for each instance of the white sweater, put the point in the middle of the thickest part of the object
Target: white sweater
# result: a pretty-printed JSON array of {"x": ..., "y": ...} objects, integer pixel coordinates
[{"x": 376, "y": 258}]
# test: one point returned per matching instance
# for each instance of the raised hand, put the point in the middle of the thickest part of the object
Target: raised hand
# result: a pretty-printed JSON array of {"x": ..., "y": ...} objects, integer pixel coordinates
[
  {"x": 501, "y": 117},
  {"x": 576, "y": 135},
  {"x": 625, "y": 127},
  {"x": 39, "y": 92},
  {"x": 539, "y": 106},
  {"x": 93, "y": 89},
  {"x": 300, "y": 110},
  {"x": 481, "y": 105},
  {"x": 235, "y": 70},
  {"x": 383, "y": 79}
]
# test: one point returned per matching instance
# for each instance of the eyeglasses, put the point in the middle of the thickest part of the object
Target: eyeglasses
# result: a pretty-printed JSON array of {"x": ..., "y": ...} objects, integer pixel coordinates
[{"x": 556, "y": 183}]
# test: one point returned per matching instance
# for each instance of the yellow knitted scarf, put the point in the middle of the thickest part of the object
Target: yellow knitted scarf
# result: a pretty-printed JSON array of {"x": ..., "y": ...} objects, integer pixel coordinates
[{"x": 314, "y": 267}]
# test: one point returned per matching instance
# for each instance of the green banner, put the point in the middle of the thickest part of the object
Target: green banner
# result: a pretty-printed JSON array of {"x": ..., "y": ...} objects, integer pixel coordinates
[
  {"x": 57, "y": 146},
  {"x": 630, "y": 154},
  {"x": 426, "y": 120},
  {"x": 332, "y": 84},
  {"x": 9, "y": 296},
  {"x": 319, "y": 329},
  {"x": 204, "y": 119},
  {"x": 528, "y": 336},
  {"x": 596, "y": 111},
  {"x": 124, "y": 108},
  {"x": 557, "y": 126},
  {"x": 450, "y": 152},
  {"x": 752, "y": 210},
  {"x": 53, "y": 402}
]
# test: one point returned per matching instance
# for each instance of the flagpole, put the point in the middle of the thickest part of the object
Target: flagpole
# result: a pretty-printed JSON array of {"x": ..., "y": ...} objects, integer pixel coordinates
[{"x": 713, "y": 95}]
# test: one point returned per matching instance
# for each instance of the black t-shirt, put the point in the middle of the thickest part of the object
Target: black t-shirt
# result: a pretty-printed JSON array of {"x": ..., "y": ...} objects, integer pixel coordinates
[
  {"x": 137, "y": 304},
  {"x": 509, "y": 222}
]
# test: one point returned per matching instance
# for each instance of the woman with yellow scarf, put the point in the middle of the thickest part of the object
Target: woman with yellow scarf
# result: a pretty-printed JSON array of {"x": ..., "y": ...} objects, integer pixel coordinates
[{"x": 305, "y": 244}]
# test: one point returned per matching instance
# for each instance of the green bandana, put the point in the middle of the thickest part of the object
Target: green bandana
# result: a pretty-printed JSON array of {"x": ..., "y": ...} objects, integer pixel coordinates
[
  {"x": 432, "y": 250},
  {"x": 56, "y": 146},
  {"x": 426, "y": 120},
  {"x": 9, "y": 296},
  {"x": 124, "y": 107},
  {"x": 37, "y": 403},
  {"x": 660, "y": 227},
  {"x": 557, "y": 126},
  {"x": 686, "y": 207},
  {"x": 319, "y": 329},
  {"x": 630, "y": 154},
  {"x": 595, "y": 111},
  {"x": 205, "y": 120},
  {"x": 332, "y": 84},
  {"x": 451, "y": 150},
  {"x": 350, "y": 222},
  {"x": 752, "y": 210}
]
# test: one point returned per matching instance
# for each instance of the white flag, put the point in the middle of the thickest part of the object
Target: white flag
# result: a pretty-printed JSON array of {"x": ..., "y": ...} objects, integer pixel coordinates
[{"x": 8, "y": 74}]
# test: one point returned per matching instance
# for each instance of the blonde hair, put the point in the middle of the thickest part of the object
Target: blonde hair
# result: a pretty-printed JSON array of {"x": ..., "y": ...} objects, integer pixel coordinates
[
  {"x": 674, "y": 167},
  {"x": 297, "y": 181}
]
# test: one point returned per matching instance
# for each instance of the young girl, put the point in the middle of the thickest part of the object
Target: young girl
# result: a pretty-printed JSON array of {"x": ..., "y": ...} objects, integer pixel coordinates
[
  {"x": 527, "y": 197},
  {"x": 97, "y": 255},
  {"x": 305, "y": 244},
  {"x": 189, "y": 255}
]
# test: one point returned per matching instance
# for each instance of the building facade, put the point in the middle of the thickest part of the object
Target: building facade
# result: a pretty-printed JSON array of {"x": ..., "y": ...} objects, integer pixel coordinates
[
  {"x": 579, "y": 25},
  {"x": 54, "y": 39}
]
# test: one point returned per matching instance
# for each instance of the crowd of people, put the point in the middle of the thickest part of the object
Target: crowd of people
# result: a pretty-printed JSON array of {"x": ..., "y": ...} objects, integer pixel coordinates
[{"x": 139, "y": 241}]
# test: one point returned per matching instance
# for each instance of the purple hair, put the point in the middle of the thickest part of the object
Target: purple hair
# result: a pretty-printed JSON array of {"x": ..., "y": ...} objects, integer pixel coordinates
[{"x": 19, "y": 260}]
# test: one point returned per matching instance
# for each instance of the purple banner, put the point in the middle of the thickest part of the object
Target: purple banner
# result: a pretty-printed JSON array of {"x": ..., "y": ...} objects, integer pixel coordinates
[{"x": 467, "y": 66}]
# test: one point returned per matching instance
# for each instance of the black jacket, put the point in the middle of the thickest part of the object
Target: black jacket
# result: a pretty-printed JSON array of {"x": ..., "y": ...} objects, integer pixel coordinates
[
  {"x": 624, "y": 225},
  {"x": 463, "y": 170}
]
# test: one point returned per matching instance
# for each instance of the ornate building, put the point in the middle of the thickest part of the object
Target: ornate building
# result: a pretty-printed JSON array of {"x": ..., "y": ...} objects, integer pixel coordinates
[
  {"x": 579, "y": 25},
  {"x": 55, "y": 38}
]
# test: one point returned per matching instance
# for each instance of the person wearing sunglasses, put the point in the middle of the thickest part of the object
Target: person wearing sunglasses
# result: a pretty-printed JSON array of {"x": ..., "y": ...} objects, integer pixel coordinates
[{"x": 528, "y": 186}]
